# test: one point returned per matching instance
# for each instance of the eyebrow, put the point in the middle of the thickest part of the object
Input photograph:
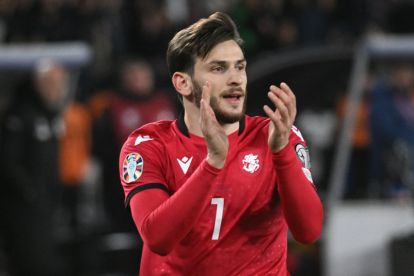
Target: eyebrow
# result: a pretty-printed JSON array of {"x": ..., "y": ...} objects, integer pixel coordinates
[{"x": 223, "y": 62}]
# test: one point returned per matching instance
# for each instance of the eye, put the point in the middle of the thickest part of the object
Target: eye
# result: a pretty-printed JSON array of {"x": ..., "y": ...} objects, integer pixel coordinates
[
  {"x": 241, "y": 67},
  {"x": 217, "y": 69}
]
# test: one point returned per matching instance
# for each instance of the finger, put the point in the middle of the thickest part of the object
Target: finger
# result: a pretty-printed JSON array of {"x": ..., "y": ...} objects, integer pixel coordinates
[
  {"x": 280, "y": 106},
  {"x": 206, "y": 92},
  {"x": 206, "y": 121},
  {"x": 206, "y": 112},
  {"x": 287, "y": 98},
  {"x": 207, "y": 116},
  {"x": 205, "y": 99},
  {"x": 286, "y": 89},
  {"x": 289, "y": 92},
  {"x": 274, "y": 117},
  {"x": 280, "y": 93}
]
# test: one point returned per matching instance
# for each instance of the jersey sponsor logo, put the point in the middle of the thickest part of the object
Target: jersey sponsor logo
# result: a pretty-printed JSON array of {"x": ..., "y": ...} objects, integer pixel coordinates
[
  {"x": 303, "y": 154},
  {"x": 133, "y": 167},
  {"x": 141, "y": 139},
  {"x": 250, "y": 163},
  {"x": 185, "y": 163},
  {"x": 298, "y": 133}
]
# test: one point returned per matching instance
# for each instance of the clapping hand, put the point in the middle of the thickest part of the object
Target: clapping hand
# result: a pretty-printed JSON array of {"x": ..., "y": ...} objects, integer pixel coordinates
[
  {"x": 214, "y": 135},
  {"x": 282, "y": 117}
]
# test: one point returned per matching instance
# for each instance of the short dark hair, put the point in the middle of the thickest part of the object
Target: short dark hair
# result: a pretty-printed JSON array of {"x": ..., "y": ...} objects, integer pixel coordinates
[{"x": 198, "y": 39}]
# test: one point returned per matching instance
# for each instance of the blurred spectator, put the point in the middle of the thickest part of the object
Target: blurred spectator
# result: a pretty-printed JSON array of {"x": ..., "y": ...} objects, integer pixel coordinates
[
  {"x": 30, "y": 173},
  {"x": 318, "y": 124},
  {"x": 148, "y": 28},
  {"x": 316, "y": 19},
  {"x": 257, "y": 25},
  {"x": 357, "y": 178},
  {"x": 44, "y": 20},
  {"x": 392, "y": 128},
  {"x": 75, "y": 154},
  {"x": 136, "y": 101}
]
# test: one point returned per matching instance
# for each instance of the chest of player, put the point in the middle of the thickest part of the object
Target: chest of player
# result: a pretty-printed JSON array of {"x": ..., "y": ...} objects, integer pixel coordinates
[
  {"x": 248, "y": 178},
  {"x": 244, "y": 194}
]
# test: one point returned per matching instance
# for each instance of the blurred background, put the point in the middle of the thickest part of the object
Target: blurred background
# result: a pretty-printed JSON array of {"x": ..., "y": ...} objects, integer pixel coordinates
[{"x": 77, "y": 76}]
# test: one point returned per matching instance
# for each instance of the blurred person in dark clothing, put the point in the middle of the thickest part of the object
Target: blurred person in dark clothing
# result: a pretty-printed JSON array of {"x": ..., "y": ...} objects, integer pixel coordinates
[
  {"x": 30, "y": 173},
  {"x": 392, "y": 128},
  {"x": 74, "y": 160},
  {"x": 147, "y": 28},
  {"x": 135, "y": 102}
]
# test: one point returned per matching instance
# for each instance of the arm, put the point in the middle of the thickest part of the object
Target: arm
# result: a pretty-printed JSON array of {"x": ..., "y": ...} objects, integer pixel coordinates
[
  {"x": 300, "y": 203},
  {"x": 164, "y": 221}
]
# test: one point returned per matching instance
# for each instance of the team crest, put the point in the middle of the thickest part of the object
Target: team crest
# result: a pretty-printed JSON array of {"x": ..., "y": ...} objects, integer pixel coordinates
[
  {"x": 250, "y": 163},
  {"x": 133, "y": 167}
]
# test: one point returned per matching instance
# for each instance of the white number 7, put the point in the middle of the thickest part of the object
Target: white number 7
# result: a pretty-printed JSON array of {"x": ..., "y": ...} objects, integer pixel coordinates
[{"x": 219, "y": 201}]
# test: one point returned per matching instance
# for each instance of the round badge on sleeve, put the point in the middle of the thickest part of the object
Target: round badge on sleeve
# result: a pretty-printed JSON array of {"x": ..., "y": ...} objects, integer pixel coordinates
[
  {"x": 133, "y": 167},
  {"x": 303, "y": 155}
]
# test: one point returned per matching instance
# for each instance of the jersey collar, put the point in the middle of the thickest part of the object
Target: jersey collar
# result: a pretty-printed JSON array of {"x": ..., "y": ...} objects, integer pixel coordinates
[{"x": 184, "y": 130}]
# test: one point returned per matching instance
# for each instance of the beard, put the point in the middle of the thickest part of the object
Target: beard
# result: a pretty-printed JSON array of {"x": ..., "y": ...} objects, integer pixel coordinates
[{"x": 221, "y": 116}]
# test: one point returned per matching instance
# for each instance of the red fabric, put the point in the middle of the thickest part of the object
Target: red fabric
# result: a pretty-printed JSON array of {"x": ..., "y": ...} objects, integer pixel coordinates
[
  {"x": 164, "y": 221},
  {"x": 301, "y": 204},
  {"x": 252, "y": 237}
]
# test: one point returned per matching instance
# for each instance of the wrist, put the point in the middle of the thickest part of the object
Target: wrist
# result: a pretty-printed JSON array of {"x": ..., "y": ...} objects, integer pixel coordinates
[
  {"x": 285, "y": 157},
  {"x": 215, "y": 161},
  {"x": 280, "y": 147}
]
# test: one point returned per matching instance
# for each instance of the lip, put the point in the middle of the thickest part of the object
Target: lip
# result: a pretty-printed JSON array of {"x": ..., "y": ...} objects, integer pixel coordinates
[
  {"x": 234, "y": 98},
  {"x": 233, "y": 93}
]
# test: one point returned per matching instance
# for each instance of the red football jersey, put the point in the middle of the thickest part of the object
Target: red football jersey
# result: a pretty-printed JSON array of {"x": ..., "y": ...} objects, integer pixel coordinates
[{"x": 242, "y": 230}]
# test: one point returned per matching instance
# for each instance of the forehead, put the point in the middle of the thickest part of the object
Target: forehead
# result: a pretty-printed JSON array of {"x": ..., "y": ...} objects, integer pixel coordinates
[{"x": 225, "y": 51}]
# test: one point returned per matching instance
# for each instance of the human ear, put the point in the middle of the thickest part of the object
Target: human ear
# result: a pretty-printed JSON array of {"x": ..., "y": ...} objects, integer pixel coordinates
[{"x": 182, "y": 83}]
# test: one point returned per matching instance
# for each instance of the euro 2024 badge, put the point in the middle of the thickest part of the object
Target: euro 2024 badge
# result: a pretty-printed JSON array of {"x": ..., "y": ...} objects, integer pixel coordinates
[{"x": 133, "y": 167}]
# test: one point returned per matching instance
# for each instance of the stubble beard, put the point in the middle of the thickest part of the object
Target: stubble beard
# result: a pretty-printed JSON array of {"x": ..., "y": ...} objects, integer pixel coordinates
[{"x": 222, "y": 116}]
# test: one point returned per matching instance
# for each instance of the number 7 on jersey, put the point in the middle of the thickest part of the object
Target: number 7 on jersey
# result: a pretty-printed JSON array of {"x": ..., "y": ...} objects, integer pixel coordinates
[{"x": 219, "y": 201}]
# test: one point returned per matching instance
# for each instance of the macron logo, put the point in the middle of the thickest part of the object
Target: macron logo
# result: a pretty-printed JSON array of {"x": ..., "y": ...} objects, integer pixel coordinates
[
  {"x": 141, "y": 139},
  {"x": 185, "y": 163}
]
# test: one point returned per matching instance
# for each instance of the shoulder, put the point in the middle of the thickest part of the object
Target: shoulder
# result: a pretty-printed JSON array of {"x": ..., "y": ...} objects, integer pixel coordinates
[
  {"x": 252, "y": 121},
  {"x": 262, "y": 123},
  {"x": 147, "y": 143},
  {"x": 254, "y": 125},
  {"x": 152, "y": 134},
  {"x": 300, "y": 147},
  {"x": 296, "y": 135}
]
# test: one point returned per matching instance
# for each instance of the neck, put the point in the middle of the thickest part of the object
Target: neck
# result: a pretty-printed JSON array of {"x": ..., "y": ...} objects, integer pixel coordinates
[{"x": 192, "y": 121}]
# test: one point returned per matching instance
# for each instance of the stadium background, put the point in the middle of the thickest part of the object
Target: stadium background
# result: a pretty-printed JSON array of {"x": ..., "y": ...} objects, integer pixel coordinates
[{"x": 309, "y": 44}]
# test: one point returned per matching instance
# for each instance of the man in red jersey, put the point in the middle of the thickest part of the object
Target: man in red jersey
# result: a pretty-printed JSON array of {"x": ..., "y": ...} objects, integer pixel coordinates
[{"x": 215, "y": 192}]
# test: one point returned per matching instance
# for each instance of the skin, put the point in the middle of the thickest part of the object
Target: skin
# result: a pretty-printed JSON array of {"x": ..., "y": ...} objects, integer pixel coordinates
[
  {"x": 217, "y": 112},
  {"x": 51, "y": 83},
  {"x": 212, "y": 114}
]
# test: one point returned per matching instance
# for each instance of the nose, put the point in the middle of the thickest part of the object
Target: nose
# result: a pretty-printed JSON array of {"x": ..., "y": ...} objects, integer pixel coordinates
[{"x": 236, "y": 77}]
